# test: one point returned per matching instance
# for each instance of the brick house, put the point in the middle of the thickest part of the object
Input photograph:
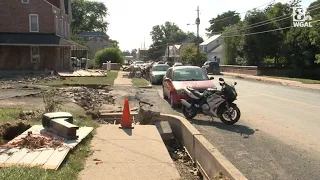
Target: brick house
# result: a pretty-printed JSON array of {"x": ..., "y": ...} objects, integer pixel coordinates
[{"x": 35, "y": 35}]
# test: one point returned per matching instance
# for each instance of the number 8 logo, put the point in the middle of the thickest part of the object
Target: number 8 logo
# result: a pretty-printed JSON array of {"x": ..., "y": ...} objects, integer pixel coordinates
[{"x": 299, "y": 15}]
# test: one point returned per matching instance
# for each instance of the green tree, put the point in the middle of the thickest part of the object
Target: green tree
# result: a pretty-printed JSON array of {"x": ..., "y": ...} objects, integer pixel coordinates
[
  {"x": 133, "y": 52},
  {"x": 126, "y": 53},
  {"x": 232, "y": 46},
  {"x": 192, "y": 38},
  {"x": 315, "y": 30},
  {"x": 109, "y": 54},
  {"x": 222, "y": 21},
  {"x": 88, "y": 16},
  {"x": 189, "y": 54},
  {"x": 162, "y": 35}
]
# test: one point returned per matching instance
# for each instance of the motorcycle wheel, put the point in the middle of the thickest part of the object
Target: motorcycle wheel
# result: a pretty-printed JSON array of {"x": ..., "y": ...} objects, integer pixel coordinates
[
  {"x": 234, "y": 115},
  {"x": 189, "y": 113}
]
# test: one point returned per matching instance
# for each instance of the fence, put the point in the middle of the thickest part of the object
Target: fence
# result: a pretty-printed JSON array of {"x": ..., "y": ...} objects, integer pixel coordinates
[
  {"x": 250, "y": 70},
  {"x": 107, "y": 66}
]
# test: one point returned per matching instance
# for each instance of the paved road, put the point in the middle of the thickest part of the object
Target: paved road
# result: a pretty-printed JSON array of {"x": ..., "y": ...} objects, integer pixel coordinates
[{"x": 278, "y": 135}]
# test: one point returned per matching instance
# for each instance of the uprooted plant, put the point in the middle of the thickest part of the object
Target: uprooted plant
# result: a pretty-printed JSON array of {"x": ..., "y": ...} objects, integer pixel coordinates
[{"x": 52, "y": 103}]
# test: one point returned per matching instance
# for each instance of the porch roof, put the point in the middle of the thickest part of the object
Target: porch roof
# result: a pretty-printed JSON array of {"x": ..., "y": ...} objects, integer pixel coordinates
[{"x": 36, "y": 39}]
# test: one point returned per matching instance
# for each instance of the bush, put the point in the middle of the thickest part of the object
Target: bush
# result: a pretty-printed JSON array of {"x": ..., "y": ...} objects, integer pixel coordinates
[{"x": 109, "y": 54}]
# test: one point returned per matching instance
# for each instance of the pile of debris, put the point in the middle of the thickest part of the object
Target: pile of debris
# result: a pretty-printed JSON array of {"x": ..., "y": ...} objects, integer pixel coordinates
[
  {"x": 32, "y": 142},
  {"x": 30, "y": 115},
  {"x": 88, "y": 98},
  {"x": 10, "y": 82},
  {"x": 182, "y": 161}
]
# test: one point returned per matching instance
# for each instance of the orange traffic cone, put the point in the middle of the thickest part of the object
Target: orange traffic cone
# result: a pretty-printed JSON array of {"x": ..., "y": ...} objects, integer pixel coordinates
[{"x": 126, "y": 123}]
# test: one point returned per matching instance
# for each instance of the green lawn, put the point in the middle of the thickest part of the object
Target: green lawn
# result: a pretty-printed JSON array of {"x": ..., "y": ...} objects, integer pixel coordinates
[
  {"x": 305, "y": 81},
  {"x": 69, "y": 169},
  {"x": 109, "y": 80},
  {"x": 139, "y": 82}
]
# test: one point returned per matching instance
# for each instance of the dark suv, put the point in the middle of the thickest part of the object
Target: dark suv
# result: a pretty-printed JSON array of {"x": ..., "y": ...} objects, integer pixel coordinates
[{"x": 211, "y": 67}]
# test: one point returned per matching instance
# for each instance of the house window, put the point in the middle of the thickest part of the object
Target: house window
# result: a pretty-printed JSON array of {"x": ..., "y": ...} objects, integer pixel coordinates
[
  {"x": 35, "y": 54},
  {"x": 25, "y": 1},
  {"x": 205, "y": 48},
  {"x": 101, "y": 40},
  {"x": 34, "y": 22}
]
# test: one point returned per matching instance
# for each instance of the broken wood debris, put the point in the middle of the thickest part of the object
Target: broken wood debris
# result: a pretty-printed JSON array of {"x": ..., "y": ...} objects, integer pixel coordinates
[{"x": 32, "y": 141}]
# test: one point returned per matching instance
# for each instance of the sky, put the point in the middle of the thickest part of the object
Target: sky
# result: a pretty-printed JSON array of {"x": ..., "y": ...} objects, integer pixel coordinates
[{"x": 132, "y": 20}]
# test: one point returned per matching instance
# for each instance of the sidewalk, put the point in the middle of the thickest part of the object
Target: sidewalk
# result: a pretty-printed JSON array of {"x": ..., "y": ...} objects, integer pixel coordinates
[
  {"x": 274, "y": 80},
  {"x": 129, "y": 154},
  {"x": 122, "y": 79}
]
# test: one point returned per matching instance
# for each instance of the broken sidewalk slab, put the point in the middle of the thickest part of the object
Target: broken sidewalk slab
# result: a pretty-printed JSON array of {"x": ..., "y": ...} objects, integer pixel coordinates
[
  {"x": 46, "y": 158},
  {"x": 165, "y": 130},
  {"x": 60, "y": 123},
  {"x": 83, "y": 73}
]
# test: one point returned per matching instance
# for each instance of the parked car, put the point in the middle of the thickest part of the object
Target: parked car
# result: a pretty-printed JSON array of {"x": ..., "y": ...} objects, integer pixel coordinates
[
  {"x": 137, "y": 65},
  {"x": 177, "y": 64},
  {"x": 211, "y": 67},
  {"x": 157, "y": 72},
  {"x": 177, "y": 78}
]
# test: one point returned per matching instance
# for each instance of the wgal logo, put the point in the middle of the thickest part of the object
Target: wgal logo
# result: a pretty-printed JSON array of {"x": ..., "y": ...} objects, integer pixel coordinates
[{"x": 300, "y": 18}]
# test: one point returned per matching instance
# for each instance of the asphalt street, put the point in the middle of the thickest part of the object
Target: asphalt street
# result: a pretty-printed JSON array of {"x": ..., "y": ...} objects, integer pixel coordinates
[{"x": 278, "y": 135}]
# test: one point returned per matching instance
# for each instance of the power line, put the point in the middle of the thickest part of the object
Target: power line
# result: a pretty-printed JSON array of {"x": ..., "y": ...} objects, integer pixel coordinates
[
  {"x": 262, "y": 32},
  {"x": 268, "y": 3},
  {"x": 265, "y": 22}
]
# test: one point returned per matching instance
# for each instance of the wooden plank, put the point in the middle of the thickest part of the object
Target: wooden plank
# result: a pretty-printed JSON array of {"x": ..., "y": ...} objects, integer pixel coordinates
[
  {"x": 82, "y": 133},
  {"x": 15, "y": 158},
  {"x": 46, "y": 158},
  {"x": 5, "y": 155},
  {"x": 42, "y": 158},
  {"x": 56, "y": 159},
  {"x": 28, "y": 158}
]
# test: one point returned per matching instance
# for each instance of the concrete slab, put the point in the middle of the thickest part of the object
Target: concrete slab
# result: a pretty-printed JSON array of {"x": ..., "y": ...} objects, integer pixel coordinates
[
  {"x": 136, "y": 154},
  {"x": 122, "y": 79},
  {"x": 164, "y": 130}
]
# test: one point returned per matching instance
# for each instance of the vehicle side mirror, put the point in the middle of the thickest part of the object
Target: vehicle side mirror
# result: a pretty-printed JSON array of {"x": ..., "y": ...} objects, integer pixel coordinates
[
  {"x": 211, "y": 78},
  {"x": 235, "y": 83}
]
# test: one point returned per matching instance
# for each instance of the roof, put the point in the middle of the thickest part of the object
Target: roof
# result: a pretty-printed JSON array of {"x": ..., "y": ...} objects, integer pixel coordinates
[
  {"x": 212, "y": 38},
  {"x": 186, "y": 67},
  {"x": 39, "y": 39},
  {"x": 218, "y": 49},
  {"x": 160, "y": 64},
  {"x": 55, "y": 3},
  {"x": 177, "y": 46},
  {"x": 95, "y": 33}
]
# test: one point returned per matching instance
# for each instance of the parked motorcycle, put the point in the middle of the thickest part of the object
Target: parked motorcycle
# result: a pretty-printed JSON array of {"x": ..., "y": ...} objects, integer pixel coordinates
[{"x": 213, "y": 102}]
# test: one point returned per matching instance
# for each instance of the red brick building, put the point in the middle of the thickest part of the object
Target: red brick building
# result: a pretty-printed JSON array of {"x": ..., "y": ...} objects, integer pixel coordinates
[{"x": 35, "y": 35}]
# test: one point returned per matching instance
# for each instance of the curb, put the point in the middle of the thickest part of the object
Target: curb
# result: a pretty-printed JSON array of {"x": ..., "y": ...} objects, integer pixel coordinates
[
  {"x": 206, "y": 157},
  {"x": 149, "y": 86},
  {"x": 270, "y": 80}
]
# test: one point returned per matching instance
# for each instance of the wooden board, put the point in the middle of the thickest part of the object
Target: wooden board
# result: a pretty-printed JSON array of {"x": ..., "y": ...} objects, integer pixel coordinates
[{"x": 47, "y": 158}]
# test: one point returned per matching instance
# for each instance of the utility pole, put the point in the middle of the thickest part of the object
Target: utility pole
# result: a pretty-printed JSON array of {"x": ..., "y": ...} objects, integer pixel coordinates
[{"x": 197, "y": 23}]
